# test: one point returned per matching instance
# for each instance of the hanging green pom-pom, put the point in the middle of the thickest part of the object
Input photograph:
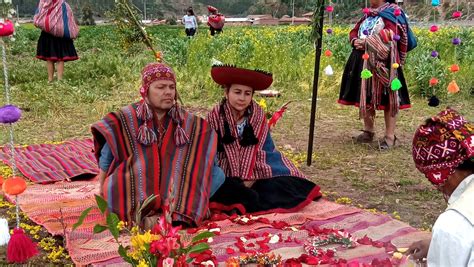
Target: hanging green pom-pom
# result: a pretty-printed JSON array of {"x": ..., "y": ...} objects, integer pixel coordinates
[
  {"x": 366, "y": 74},
  {"x": 396, "y": 84}
]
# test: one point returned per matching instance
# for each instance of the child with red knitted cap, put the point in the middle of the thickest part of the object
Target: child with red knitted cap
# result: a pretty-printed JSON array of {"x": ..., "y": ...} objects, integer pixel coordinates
[{"x": 443, "y": 149}]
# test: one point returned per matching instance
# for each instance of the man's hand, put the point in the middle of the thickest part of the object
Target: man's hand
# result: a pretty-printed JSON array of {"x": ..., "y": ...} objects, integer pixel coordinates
[
  {"x": 419, "y": 249},
  {"x": 101, "y": 177}
]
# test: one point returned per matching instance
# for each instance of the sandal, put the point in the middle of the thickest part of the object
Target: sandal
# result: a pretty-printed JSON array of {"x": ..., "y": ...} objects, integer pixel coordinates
[
  {"x": 384, "y": 145},
  {"x": 365, "y": 137}
]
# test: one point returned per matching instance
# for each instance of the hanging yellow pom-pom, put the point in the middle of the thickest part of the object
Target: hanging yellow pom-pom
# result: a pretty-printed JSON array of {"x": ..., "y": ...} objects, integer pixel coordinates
[
  {"x": 453, "y": 87},
  {"x": 396, "y": 84},
  {"x": 366, "y": 74},
  {"x": 395, "y": 65}
]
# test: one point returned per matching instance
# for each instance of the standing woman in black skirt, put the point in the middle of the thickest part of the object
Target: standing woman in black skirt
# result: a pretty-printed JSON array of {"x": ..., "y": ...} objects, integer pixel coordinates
[
  {"x": 373, "y": 77},
  {"x": 55, "y": 44}
]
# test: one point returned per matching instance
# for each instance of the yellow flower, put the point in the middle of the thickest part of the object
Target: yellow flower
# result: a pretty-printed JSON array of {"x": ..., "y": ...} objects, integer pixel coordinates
[
  {"x": 142, "y": 263},
  {"x": 263, "y": 103},
  {"x": 135, "y": 230},
  {"x": 343, "y": 200},
  {"x": 121, "y": 225},
  {"x": 139, "y": 241}
]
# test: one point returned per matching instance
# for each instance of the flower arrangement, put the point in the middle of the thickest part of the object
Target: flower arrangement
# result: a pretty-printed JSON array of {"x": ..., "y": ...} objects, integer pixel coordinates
[
  {"x": 261, "y": 259},
  {"x": 161, "y": 246},
  {"x": 272, "y": 117}
]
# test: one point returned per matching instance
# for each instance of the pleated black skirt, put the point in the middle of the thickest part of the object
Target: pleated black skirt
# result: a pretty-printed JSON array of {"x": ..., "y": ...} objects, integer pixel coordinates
[{"x": 52, "y": 48}]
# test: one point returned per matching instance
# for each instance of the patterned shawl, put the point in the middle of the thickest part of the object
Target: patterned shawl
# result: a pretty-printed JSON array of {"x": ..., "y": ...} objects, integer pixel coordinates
[
  {"x": 139, "y": 171},
  {"x": 253, "y": 162},
  {"x": 56, "y": 17}
]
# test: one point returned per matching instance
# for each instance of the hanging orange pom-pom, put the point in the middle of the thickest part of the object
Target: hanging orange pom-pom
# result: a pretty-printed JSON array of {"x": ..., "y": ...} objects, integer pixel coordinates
[
  {"x": 433, "y": 81},
  {"x": 453, "y": 87},
  {"x": 365, "y": 56},
  {"x": 454, "y": 68},
  {"x": 14, "y": 186},
  {"x": 328, "y": 53}
]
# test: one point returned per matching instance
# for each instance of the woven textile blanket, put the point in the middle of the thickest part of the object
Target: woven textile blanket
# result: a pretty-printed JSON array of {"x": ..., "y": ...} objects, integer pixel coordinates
[
  {"x": 50, "y": 204},
  {"x": 46, "y": 163}
]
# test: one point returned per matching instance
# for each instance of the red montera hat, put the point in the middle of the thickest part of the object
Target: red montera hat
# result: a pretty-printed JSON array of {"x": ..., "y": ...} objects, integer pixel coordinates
[{"x": 226, "y": 75}]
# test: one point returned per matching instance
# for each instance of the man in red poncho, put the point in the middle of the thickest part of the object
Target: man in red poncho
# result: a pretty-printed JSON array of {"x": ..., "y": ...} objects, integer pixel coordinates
[{"x": 215, "y": 21}]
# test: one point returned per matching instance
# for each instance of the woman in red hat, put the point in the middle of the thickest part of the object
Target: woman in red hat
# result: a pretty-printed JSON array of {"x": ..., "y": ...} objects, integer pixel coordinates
[
  {"x": 443, "y": 150},
  {"x": 258, "y": 177}
]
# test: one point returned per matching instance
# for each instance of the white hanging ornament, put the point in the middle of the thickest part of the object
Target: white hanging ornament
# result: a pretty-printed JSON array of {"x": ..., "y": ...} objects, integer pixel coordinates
[
  {"x": 328, "y": 70},
  {"x": 4, "y": 232}
]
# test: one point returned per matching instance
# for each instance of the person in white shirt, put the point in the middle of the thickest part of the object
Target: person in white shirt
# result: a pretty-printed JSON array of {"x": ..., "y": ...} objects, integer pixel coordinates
[
  {"x": 443, "y": 149},
  {"x": 190, "y": 23}
]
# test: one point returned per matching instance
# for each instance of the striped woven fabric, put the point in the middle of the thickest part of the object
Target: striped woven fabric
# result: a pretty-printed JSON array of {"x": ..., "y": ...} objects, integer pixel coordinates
[
  {"x": 47, "y": 163},
  {"x": 139, "y": 171},
  {"x": 56, "y": 17},
  {"x": 261, "y": 161},
  {"x": 46, "y": 204}
]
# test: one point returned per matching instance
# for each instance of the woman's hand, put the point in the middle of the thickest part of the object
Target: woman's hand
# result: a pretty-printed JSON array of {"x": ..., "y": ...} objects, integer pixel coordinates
[
  {"x": 249, "y": 183},
  {"x": 419, "y": 249},
  {"x": 359, "y": 44}
]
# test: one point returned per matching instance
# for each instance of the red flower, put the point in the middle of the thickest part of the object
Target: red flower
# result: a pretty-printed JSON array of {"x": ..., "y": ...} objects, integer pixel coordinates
[
  {"x": 164, "y": 246},
  {"x": 365, "y": 240},
  {"x": 230, "y": 250},
  {"x": 389, "y": 247},
  {"x": 293, "y": 262},
  {"x": 251, "y": 235}
]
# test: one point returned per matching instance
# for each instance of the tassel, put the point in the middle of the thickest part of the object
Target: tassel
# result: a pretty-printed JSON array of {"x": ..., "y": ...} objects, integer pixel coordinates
[
  {"x": 366, "y": 74},
  {"x": 453, "y": 87},
  {"x": 434, "y": 101},
  {"x": 396, "y": 84},
  {"x": 228, "y": 138},
  {"x": 328, "y": 70},
  {"x": 146, "y": 136},
  {"x": 4, "y": 232},
  {"x": 144, "y": 111},
  {"x": 20, "y": 248},
  {"x": 248, "y": 136},
  {"x": 180, "y": 137}
]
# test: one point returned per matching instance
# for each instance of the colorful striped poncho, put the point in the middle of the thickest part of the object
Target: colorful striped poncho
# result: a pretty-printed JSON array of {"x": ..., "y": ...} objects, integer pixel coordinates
[
  {"x": 260, "y": 161},
  {"x": 56, "y": 17},
  {"x": 139, "y": 171}
]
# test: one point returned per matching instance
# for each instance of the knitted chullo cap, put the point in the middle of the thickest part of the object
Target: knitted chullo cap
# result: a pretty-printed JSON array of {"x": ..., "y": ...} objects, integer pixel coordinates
[
  {"x": 146, "y": 135},
  {"x": 442, "y": 144}
]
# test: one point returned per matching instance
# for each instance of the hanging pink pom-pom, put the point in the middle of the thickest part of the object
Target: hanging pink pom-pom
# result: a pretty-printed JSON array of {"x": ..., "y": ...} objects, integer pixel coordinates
[
  {"x": 397, "y": 12},
  {"x": 329, "y": 9},
  {"x": 457, "y": 14},
  {"x": 434, "y": 28},
  {"x": 20, "y": 248},
  {"x": 366, "y": 10}
]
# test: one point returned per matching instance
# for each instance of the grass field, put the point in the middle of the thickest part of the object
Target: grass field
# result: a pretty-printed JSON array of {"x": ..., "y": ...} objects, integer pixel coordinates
[{"x": 107, "y": 77}]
